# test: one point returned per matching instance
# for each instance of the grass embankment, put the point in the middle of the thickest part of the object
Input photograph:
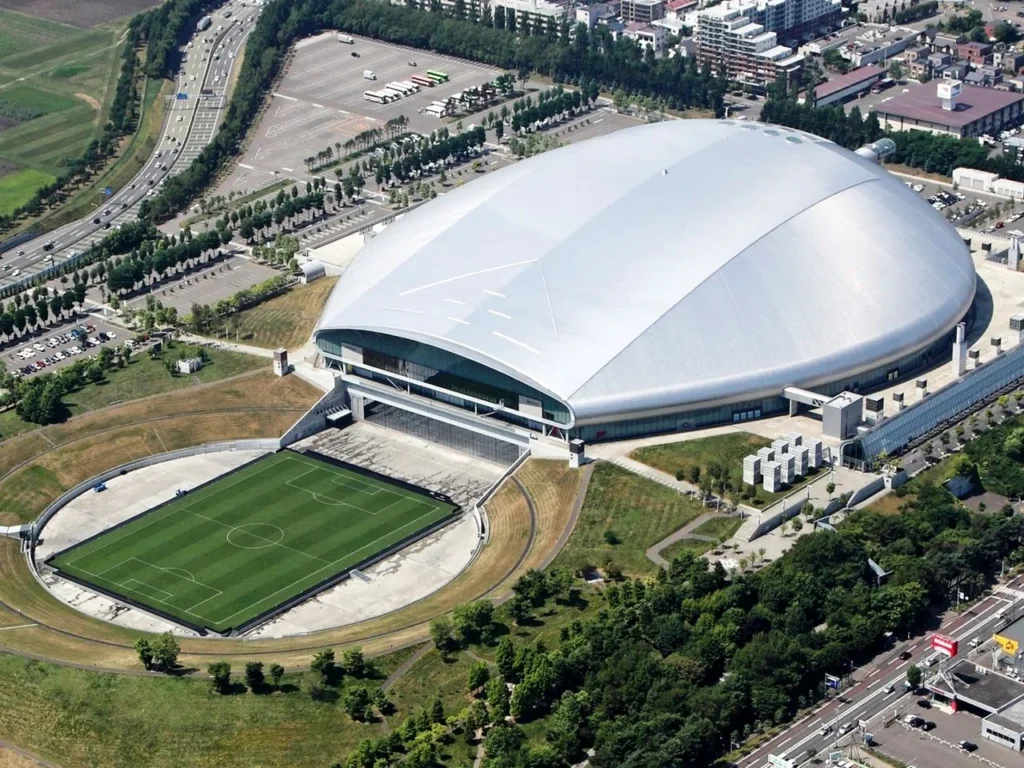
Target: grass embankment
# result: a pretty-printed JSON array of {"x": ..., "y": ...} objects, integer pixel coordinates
[
  {"x": 64, "y": 77},
  {"x": 286, "y": 320},
  {"x": 86, "y": 718},
  {"x": 636, "y": 511},
  {"x": 143, "y": 377},
  {"x": 38, "y": 466}
]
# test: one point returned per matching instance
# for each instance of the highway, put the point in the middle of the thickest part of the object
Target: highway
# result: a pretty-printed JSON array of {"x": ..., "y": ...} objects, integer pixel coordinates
[
  {"x": 192, "y": 118},
  {"x": 867, "y": 699}
]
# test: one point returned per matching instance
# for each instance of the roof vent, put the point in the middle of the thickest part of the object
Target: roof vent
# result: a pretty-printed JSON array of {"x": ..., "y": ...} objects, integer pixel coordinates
[
  {"x": 664, "y": 171},
  {"x": 949, "y": 92}
]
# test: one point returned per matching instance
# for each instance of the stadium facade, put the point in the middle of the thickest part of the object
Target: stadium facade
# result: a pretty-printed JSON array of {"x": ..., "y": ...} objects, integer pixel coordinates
[{"x": 660, "y": 278}]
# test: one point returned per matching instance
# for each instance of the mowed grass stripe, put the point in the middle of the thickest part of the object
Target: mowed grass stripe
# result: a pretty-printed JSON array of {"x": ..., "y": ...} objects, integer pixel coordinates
[{"x": 242, "y": 545}]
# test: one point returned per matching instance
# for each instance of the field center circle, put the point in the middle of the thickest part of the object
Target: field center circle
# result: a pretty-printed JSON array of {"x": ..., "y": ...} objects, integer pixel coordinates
[{"x": 255, "y": 535}]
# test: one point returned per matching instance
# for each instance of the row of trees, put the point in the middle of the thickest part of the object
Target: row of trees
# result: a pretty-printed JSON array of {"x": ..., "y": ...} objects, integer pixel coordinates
[
  {"x": 918, "y": 149},
  {"x": 204, "y": 319},
  {"x": 27, "y": 313}
]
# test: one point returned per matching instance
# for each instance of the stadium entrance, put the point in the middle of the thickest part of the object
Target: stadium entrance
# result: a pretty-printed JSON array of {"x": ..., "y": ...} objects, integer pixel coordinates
[{"x": 448, "y": 435}]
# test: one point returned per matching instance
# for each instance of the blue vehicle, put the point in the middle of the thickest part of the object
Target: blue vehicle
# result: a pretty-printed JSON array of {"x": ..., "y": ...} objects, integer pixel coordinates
[{"x": 100, "y": 487}]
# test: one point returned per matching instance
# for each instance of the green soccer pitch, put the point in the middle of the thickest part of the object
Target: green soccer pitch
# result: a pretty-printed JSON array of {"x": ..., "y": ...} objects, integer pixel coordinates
[{"x": 242, "y": 545}]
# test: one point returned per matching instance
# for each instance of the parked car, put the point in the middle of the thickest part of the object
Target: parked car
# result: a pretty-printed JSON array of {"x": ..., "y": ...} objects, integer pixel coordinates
[{"x": 968, "y": 746}]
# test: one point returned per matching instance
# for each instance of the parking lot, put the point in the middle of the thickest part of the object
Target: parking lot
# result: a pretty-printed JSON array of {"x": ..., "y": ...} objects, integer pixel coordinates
[
  {"x": 320, "y": 103},
  {"x": 938, "y": 747},
  {"x": 63, "y": 346},
  {"x": 209, "y": 285}
]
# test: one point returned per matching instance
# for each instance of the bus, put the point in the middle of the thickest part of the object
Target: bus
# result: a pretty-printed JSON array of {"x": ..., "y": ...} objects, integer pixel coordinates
[
  {"x": 405, "y": 89},
  {"x": 422, "y": 80},
  {"x": 409, "y": 86},
  {"x": 391, "y": 93},
  {"x": 437, "y": 77},
  {"x": 378, "y": 97}
]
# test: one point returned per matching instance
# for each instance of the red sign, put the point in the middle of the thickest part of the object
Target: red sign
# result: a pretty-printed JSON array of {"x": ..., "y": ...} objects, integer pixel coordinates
[{"x": 946, "y": 644}]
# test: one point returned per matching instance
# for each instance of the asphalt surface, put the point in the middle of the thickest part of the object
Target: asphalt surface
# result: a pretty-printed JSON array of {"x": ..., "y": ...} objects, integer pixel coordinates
[
  {"x": 190, "y": 124},
  {"x": 866, "y": 698}
]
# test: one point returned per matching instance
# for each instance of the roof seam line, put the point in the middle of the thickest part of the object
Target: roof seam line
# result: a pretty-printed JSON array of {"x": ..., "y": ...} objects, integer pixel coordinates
[{"x": 722, "y": 266}]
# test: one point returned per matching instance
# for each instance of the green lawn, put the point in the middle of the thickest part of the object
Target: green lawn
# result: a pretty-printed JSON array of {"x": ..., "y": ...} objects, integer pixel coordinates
[
  {"x": 18, "y": 187},
  {"x": 144, "y": 377},
  {"x": 726, "y": 450},
  {"x": 236, "y": 548},
  {"x": 80, "y": 718},
  {"x": 640, "y": 512},
  {"x": 697, "y": 546},
  {"x": 717, "y": 527}
]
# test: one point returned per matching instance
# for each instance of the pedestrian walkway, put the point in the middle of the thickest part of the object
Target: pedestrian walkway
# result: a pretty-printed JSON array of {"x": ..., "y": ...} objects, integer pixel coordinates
[
  {"x": 231, "y": 346},
  {"x": 686, "y": 532}
]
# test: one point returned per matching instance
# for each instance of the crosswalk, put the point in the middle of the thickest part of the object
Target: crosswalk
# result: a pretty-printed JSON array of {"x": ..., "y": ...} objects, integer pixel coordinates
[{"x": 1016, "y": 594}]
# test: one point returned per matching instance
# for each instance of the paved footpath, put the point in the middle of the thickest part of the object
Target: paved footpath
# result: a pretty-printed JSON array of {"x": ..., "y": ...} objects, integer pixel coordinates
[{"x": 686, "y": 532}]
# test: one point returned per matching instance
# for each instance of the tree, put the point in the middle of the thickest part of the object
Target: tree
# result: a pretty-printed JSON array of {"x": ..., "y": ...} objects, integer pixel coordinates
[
  {"x": 276, "y": 672},
  {"x": 830, "y": 488},
  {"x": 914, "y": 675},
  {"x": 505, "y": 658},
  {"x": 353, "y": 662},
  {"x": 383, "y": 704},
  {"x": 498, "y": 699},
  {"x": 797, "y": 524},
  {"x": 896, "y": 70},
  {"x": 220, "y": 676},
  {"x": 94, "y": 373},
  {"x": 145, "y": 651},
  {"x": 254, "y": 676},
  {"x": 479, "y": 674},
  {"x": 323, "y": 664},
  {"x": 165, "y": 651},
  {"x": 437, "y": 710},
  {"x": 358, "y": 704},
  {"x": 472, "y": 622},
  {"x": 442, "y": 632}
]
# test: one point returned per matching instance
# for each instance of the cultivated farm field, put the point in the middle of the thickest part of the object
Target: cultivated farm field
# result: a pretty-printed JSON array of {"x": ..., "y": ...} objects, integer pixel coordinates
[{"x": 79, "y": 13}]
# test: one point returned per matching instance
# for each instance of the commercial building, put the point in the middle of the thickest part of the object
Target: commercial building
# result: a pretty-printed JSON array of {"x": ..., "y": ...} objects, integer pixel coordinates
[
  {"x": 642, "y": 11},
  {"x": 564, "y": 297},
  {"x": 842, "y": 88},
  {"x": 952, "y": 108}
]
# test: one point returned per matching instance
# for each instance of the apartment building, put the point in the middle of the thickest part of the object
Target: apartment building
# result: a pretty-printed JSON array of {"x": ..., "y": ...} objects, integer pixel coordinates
[{"x": 727, "y": 39}]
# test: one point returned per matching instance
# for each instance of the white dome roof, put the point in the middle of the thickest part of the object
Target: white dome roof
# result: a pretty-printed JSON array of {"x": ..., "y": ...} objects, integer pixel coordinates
[{"x": 685, "y": 262}]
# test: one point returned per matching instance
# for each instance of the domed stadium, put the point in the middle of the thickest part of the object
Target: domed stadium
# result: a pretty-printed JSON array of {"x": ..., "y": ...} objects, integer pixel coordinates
[{"x": 658, "y": 278}]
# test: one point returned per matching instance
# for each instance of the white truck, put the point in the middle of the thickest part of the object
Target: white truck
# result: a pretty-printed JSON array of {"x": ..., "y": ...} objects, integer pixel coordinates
[
  {"x": 347, "y": 39},
  {"x": 368, "y": 74}
]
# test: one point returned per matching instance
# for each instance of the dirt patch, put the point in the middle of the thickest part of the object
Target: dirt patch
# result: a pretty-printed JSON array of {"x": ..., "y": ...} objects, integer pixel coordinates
[
  {"x": 79, "y": 13},
  {"x": 6, "y": 167},
  {"x": 87, "y": 98}
]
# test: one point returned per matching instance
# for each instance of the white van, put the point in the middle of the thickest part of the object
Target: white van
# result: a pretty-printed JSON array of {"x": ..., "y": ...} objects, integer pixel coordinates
[{"x": 368, "y": 74}]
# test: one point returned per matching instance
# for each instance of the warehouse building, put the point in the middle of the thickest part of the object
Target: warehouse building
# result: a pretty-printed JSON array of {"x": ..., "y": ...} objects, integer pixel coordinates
[{"x": 952, "y": 108}]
